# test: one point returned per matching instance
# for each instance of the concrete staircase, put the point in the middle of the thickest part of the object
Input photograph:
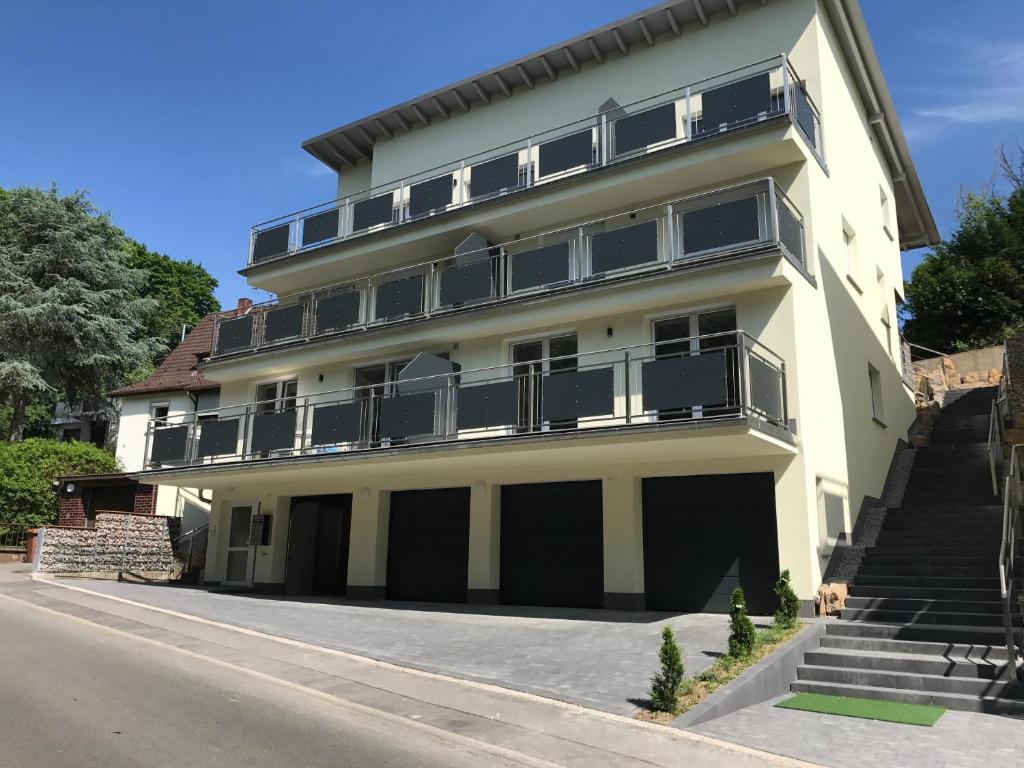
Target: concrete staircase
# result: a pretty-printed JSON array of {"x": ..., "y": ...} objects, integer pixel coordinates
[{"x": 923, "y": 622}]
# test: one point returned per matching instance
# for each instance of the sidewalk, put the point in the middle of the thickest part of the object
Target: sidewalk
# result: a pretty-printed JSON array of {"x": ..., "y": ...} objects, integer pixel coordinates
[{"x": 547, "y": 730}]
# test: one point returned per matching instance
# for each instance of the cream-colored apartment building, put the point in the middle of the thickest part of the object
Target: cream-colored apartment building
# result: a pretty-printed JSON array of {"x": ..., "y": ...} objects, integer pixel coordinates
[{"x": 611, "y": 325}]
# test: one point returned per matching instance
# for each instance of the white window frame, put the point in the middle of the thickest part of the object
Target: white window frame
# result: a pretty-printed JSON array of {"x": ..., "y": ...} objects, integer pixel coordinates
[{"x": 875, "y": 384}]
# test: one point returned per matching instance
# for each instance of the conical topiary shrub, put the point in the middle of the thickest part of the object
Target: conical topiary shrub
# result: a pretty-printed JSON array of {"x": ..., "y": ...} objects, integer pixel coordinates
[
  {"x": 789, "y": 604},
  {"x": 741, "y": 628},
  {"x": 666, "y": 684}
]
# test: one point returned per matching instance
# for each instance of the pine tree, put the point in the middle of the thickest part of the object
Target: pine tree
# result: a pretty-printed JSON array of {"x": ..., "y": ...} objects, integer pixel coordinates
[
  {"x": 741, "y": 628},
  {"x": 789, "y": 603},
  {"x": 666, "y": 684}
]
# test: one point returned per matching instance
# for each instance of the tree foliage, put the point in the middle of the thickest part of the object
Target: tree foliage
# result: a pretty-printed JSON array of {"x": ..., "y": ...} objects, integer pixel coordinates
[
  {"x": 71, "y": 316},
  {"x": 969, "y": 291},
  {"x": 666, "y": 685},
  {"x": 182, "y": 290},
  {"x": 28, "y": 469}
]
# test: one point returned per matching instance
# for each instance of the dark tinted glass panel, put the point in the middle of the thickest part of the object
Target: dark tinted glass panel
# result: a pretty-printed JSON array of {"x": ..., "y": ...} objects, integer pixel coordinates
[
  {"x": 336, "y": 423},
  {"x": 765, "y": 388},
  {"x": 487, "y": 405},
  {"x": 399, "y": 297},
  {"x": 494, "y": 176},
  {"x": 565, "y": 153},
  {"x": 625, "y": 247},
  {"x": 273, "y": 431},
  {"x": 322, "y": 226},
  {"x": 169, "y": 444},
  {"x": 283, "y": 323},
  {"x": 337, "y": 312},
  {"x": 641, "y": 130},
  {"x": 736, "y": 102},
  {"x": 685, "y": 382},
  {"x": 720, "y": 225},
  {"x": 541, "y": 266},
  {"x": 218, "y": 437},
  {"x": 407, "y": 415},
  {"x": 372, "y": 212},
  {"x": 460, "y": 285},
  {"x": 428, "y": 195},
  {"x": 234, "y": 334},
  {"x": 671, "y": 336},
  {"x": 578, "y": 394},
  {"x": 790, "y": 232},
  {"x": 804, "y": 115},
  {"x": 270, "y": 243}
]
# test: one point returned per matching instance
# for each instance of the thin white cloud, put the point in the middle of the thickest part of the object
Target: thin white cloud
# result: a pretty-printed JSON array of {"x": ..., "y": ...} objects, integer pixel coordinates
[
  {"x": 983, "y": 105},
  {"x": 306, "y": 166}
]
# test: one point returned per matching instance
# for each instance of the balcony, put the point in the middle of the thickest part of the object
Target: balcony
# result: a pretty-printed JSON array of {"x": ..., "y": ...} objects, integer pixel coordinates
[
  {"x": 694, "y": 382},
  {"x": 698, "y": 112},
  {"x": 719, "y": 225}
]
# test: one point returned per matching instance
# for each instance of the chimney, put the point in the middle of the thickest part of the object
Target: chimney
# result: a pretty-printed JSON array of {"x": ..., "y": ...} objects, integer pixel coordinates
[{"x": 243, "y": 306}]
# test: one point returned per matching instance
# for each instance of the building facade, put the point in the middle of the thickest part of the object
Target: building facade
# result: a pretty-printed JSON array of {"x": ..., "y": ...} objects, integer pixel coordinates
[{"x": 610, "y": 325}]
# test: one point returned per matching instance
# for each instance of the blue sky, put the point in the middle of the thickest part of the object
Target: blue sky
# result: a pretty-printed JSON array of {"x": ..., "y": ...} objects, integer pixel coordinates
[{"x": 185, "y": 119}]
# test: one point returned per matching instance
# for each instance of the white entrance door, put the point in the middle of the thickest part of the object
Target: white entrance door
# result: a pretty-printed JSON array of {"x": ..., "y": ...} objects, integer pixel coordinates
[{"x": 238, "y": 570}]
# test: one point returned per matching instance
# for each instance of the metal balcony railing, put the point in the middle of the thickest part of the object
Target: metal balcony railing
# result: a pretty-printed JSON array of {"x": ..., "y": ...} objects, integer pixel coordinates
[
  {"x": 694, "y": 381},
  {"x": 696, "y": 112},
  {"x": 696, "y": 229}
]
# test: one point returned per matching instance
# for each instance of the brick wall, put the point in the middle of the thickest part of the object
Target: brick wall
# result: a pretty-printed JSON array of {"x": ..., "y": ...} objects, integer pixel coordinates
[
  {"x": 71, "y": 509},
  {"x": 145, "y": 499}
]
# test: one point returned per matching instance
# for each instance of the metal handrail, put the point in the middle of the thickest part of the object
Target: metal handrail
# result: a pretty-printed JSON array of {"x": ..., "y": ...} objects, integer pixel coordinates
[
  {"x": 601, "y": 122},
  {"x": 1012, "y": 530},
  {"x": 994, "y": 442}
]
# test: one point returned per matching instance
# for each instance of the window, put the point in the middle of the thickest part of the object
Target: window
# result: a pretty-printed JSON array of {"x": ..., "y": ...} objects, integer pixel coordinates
[
  {"x": 875, "y": 380},
  {"x": 159, "y": 412},
  {"x": 883, "y": 200},
  {"x": 884, "y": 314},
  {"x": 852, "y": 257},
  {"x": 69, "y": 435},
  {"x": 532, "y": 362}
]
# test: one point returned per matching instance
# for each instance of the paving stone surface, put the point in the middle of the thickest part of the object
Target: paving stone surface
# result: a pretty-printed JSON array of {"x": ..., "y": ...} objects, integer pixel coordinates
[
  {"x": 957, "y": 740},
  {"x": 600, "y": 659}
]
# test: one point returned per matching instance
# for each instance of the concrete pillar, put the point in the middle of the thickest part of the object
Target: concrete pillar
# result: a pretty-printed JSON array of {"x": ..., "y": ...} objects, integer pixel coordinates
[
  {"x": 484, "y": 543},
  {"x": 368, "y": 547},
  {"x": 623, "y": 543},
  {"x": 796, "y": 514}
]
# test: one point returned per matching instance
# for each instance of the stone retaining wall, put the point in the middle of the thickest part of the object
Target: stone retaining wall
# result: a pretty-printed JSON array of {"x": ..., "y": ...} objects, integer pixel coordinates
[{"x": 120, "y": 542}]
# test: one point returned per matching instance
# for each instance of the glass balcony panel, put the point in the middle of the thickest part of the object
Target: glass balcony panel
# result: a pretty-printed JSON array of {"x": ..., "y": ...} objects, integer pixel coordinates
[
  {"x": 644, "y": 128},
  {"x": 218, "y": 437},
  {"x": 494, "y": 176},
  {"x": 766, "y": 388},
  {"x": 721, "y": 225},
  {"x": 791, "y": 233},
  {"x": 283, "y": 323},
  {"x": 624, "y": 247},
  {"x": 320, "y": 227},
  {"x": 404, "y": 416},
  {"x": 338, "y": 423},
  {"x": 686, "y": 382},
  {"x": 573, "y": 151},
  {"x": 541, "y": 266},
  {"x": 570, "y": 395},
  {"x": 338, "y": 311},
  {"x": 272, "y": 242},
  {"x": 736, "y": 102},
  {"x": 465, "y": 284},
  {"x": 805, "y": 117},
  {"x": 373, "y": 212},
  {"x": 273, "y": 431},
  {"x": 169, "y": 444},
  {"x": 399, "y": 298},
  {"x": 482, "y": 406},
  {"x": 430, "y": 196},
  {"x": 233, "y": 335}
]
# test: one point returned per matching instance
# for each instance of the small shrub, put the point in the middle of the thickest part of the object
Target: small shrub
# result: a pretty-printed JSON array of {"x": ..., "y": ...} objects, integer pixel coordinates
[
  {"x": 789, "y": 603},
  {"x": 742, "y": 636},
  {"x": 666, "y": 685}
]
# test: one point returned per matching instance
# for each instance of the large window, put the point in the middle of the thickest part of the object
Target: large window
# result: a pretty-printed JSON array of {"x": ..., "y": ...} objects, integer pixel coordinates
[
  {"x": 875, "y": 382},
  {"x": 532, "y": 362}
]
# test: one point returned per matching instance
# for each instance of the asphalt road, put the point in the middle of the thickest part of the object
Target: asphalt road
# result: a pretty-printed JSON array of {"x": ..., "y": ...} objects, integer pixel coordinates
[{"x": 76, "y": 695}]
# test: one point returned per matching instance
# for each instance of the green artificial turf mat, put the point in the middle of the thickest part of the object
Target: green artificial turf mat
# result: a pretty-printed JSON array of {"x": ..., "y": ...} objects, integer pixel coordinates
[{"x": 870, "y": 709}]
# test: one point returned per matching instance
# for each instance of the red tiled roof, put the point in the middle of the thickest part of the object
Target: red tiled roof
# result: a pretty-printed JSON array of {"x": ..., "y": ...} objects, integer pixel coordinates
[{"x": 178, "y": 373}]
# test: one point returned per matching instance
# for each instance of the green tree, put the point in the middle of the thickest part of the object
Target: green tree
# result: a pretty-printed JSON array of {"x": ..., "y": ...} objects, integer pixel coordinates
[
  {"x": 182, "y": 290},
  {"x": 71, "y": 316},
  {"x": 28, "y": 469},
  {"x": 789, "y": 604},
  {"x": 666, "y": 684},
  {"x": 742, "y": 637}
]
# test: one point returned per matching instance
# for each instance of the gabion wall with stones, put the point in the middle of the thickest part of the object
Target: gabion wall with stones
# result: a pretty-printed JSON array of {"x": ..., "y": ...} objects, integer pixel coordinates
[
  {"x": 1015, "y": 376},
  {"x": 119, "y": 542}
]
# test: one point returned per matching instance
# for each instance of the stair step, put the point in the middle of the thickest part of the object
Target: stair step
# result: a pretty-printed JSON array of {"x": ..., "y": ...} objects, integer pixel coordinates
[
  {"x": 930, "y": 582},
  {"x": 923, "y": 604},
  {"x": 898, "y": 555},
  {"x": 1002, "y": 689},
  {"x": 926, "y": 616},
  {"x": 989, "y": 654},
  {"x": 925, "y": 593},
  {"x": 931, "y": 633},
  {"x": 906, "y": 663},
  {"x": 923, "y": 569},
  {"x": 954, "y": 701}
]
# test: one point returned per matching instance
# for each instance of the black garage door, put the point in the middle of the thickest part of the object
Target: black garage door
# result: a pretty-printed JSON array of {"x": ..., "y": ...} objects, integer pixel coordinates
[
  {"x": 428, "y": 545},
  {"x": 707, "y": 534},
  {"x": 551, "y": 544}
]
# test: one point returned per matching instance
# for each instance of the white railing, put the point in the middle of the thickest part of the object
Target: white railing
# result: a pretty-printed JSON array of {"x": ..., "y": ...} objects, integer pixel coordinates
[
  {"x": 1012, "y": 530},
  {"x": 734, "y": 100},
  {"x": 632, "y": 243}
]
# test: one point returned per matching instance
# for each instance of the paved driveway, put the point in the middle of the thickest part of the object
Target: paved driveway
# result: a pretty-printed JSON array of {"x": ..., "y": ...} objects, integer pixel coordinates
[{"x": 600, "y": 659}]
